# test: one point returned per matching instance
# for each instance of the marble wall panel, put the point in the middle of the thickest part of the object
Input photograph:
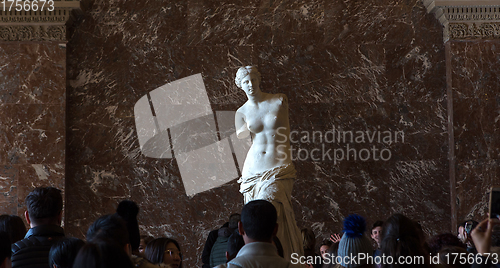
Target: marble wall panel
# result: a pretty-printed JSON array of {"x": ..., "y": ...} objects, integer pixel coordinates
[
  {"x": 208, "y": 21},
  {"x": 358, "y": 184},
  {"x": 9, "y": 72},
  {"x": 218, "y": 66},
  {"x": 476, "y": 127},
  {"x": 255, "y": 22},
  {"x": 410, "y": 72},
  {"x": 475, "y": 69},
  {"x": 393, "y": 22},
  {"x": 9, "y": 176},
  {"x": 85, "y": 185},
  {"x": 42, "y": 73},
  {"x": 474, "y": 180},
  {"x": 355, "y": 64},
  {"x": 32, "y": 120},
  {"x": 427, "y": 200},
  {"x": 34, "y": 133},
  {"x": 419, "y": 136}
]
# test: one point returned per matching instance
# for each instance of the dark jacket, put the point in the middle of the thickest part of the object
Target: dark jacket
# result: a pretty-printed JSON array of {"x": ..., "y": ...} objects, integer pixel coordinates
[
  {"x": 205, "y": 255},
  {"x": 207, "y": 249},
  {"x": 33, "y": 250},
  {"x": 218, "y": 254}
]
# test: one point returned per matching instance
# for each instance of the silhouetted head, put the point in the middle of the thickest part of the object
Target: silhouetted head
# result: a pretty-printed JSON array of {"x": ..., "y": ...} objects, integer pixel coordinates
[
  {"x": 109, "y": 227},
  {"x": 102, "y": 254},
  {"x": 258, "y": 220},
  {"x": 44, "y": 206},
  {"x": 128, "y": 210},
  {"x": 401, "y": 237},
  {"x": 63, "y": 253},
  {"x": 14, "y": 226},
  {"x": 5, "y": 250}
]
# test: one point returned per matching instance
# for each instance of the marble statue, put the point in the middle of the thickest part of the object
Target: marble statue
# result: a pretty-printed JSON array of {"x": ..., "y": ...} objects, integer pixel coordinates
[{"x": 268, "y": 172}]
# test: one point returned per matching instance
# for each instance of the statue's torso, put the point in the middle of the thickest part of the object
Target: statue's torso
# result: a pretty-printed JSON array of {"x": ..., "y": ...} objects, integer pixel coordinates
[{"x": 269, "y": 128}]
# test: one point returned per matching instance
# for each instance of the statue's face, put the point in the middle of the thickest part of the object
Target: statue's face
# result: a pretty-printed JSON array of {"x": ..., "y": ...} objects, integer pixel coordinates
[{"x": 250, "y": 84}]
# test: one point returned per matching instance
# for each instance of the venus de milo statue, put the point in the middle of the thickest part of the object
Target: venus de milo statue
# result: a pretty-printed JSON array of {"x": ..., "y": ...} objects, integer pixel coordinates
[{"x": 268, "y": 172}]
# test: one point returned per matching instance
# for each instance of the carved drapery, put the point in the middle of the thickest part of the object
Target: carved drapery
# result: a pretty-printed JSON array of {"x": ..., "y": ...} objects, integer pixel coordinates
[
  {"x": 463, "y": 19},
  {"x": 38, "y": 25}
]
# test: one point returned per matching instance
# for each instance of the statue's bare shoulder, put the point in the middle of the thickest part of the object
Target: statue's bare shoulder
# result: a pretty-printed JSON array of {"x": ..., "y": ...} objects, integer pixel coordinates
[
  {"x": 283, "y": 98},
  {"x": 242, "y": 130},
  {"x": 278, "y": 100}
]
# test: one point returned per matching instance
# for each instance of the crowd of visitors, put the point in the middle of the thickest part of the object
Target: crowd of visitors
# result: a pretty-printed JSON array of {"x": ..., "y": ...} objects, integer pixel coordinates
[{"x": 246, "y": 240}]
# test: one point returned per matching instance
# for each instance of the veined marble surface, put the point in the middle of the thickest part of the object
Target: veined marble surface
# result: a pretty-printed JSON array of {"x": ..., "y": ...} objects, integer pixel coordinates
[
  {"x": 356, "y": 65},
  {"x": 32, "y": 120},
  {"x": 476, "y": 108}
]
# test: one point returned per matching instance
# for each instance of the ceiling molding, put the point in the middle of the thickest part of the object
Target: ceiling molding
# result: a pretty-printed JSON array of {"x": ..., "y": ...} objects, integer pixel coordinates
[
  {"x": 29, "y": 25},
  {"x": 465, "y": 19}
]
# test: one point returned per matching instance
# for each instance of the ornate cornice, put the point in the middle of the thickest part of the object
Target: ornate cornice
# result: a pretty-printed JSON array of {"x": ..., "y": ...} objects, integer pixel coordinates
[
  {"x": 465, "y": 19},
  {"x": 38, "y": 25},
  {"x": 481, "y": 31},
  {"x": 33, "y": 33}
]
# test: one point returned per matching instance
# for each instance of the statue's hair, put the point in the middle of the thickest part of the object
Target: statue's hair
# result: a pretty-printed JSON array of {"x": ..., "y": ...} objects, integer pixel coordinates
[{"x": 243, "y": 72}]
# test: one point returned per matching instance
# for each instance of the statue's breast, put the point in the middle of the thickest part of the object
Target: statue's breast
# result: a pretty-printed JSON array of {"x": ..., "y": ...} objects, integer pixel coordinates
[{"x": 255, "y": 125}]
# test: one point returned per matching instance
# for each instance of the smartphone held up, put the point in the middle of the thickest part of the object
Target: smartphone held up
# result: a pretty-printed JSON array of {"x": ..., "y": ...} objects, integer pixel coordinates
[{"x": 494, "y": 208}]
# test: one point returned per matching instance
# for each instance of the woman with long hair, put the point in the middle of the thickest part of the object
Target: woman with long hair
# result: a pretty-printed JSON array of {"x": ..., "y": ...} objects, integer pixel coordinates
[{"x": 403, "y": 241}]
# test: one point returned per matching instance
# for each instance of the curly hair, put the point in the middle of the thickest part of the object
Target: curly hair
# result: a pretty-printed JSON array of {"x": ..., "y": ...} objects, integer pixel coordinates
[{"x": 243, "y": 72}]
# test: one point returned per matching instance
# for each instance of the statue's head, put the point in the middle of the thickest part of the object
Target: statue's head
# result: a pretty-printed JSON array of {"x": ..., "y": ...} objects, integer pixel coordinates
[{"x": 243, "y": 72}]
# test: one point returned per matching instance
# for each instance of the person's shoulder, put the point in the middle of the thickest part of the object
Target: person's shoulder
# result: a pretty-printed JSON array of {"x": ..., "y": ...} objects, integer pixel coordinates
[
  {"x": 29, "y": 242},
  {"x": 140, "y": 262},
  {"x": 222, "y": 265},
  {"x": 258, "y": 261},
  {"x": 233, "y": 264},
  {"x": 40, "y": 242},
  {"x": 23, "y": 243},
  {"x": 32, "y": 251}
]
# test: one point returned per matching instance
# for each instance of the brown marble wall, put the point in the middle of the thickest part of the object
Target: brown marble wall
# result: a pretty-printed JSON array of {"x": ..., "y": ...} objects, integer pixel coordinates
[
  {"x": 476, "y": 108},
  {"x": 32, "y": 120},
  {"x": 356, "y": 65}
]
